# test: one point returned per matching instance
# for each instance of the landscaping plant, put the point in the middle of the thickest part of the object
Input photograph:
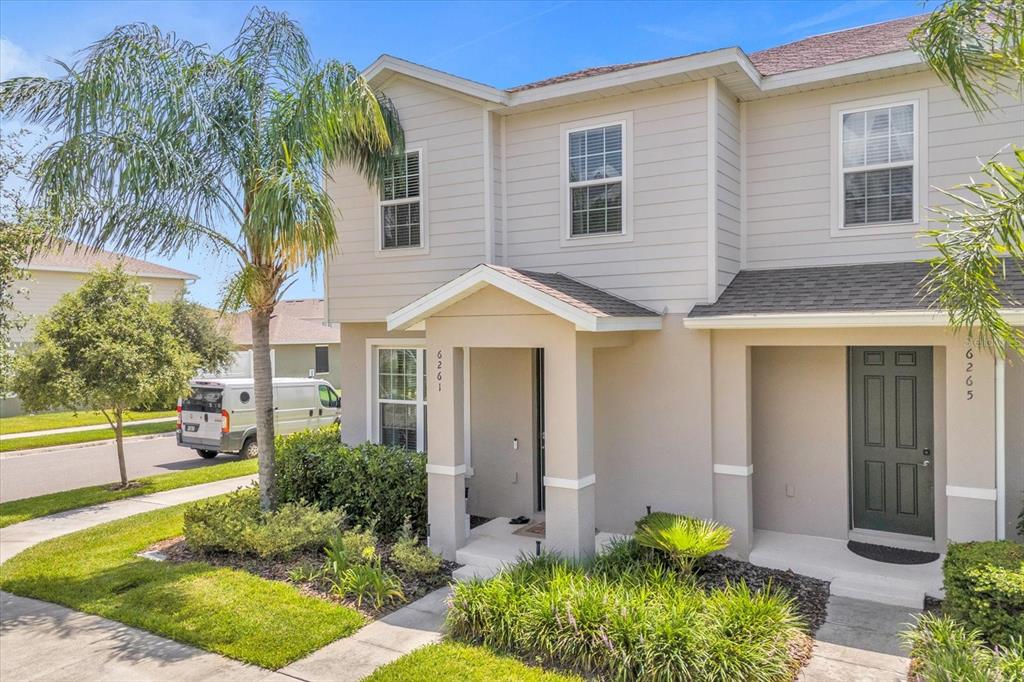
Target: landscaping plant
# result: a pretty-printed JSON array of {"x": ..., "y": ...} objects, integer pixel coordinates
[
  {"x": 644, "y": 622},
  {"x": 411, "y": 556},
  {"x": 368, "y": 582},
  {"x": 684, "y": 538},
  {"x": 377, "y": 485},
  {"x": 235, "y": 524},
  {"x": 945, "y": 650},
  {"x": 984, "y": 584}
]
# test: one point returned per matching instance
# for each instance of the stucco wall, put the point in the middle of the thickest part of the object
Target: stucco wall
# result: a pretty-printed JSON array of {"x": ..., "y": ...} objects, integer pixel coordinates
[
  {"x": 1014, "y": 444},
  {"x": 501, "y": 396},
  {"x": 295, "y": 360},
  {"x": 799, "y": 428}
]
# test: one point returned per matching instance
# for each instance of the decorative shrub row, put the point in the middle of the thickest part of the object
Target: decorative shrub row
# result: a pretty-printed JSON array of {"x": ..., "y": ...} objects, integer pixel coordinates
[
  {"x": 985, "y": 588},
  {"x": 621, "y": 618},
  {"x": 376, "y": 485},
  {"x": 234, "y": 523},
  {"x": 943, "y": 649}
]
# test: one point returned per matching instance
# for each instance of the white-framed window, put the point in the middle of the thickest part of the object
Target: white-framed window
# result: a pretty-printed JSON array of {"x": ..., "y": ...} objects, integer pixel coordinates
[
  {"x": 878, "y": 164},
  {"x": 401, "y": 212},
  {"x": 597, "y": 180},
  {"x": 396, "y": 400}
]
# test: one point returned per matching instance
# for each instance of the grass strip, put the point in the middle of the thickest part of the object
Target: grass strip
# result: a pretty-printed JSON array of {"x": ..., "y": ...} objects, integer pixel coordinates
[
  {"x": 230, "y": 612},
  {"x": 63, "y": 420},
  {"x": 451, "y": 661},
  {"x": 75, "y": 437},
  {"x": 17, "y": 511}
]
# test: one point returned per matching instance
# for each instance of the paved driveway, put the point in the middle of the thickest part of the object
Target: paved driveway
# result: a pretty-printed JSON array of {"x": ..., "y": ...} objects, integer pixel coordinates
[{"x": 77, "y": 466}]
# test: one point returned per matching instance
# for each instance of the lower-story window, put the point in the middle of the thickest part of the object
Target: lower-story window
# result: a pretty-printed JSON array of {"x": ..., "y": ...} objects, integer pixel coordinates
[{"x": 401, "y": 402}]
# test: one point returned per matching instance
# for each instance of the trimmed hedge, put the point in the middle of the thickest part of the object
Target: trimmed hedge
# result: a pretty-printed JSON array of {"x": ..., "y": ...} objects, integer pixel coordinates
[
  {"x": 985, "y": 588},
  {"x": 377, "y": 486}
]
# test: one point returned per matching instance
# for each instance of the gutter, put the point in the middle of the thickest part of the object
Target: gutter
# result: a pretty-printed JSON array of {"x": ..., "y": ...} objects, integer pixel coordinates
[{"x": 1000, "y": 391}]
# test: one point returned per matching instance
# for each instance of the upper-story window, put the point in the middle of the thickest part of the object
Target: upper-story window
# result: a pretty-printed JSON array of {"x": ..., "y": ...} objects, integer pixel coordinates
[
  {"x": 401, "y": 203},
  {"x": 596, "y": 175},
  {"x": 879, "y": 164}
]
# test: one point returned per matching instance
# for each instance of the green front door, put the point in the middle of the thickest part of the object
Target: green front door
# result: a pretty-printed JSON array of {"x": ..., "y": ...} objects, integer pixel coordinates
[{"x": 892, "y": 468}]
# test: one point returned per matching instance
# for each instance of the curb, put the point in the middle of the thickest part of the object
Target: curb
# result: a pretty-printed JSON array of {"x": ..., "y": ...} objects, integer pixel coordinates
[{"x": 86, "y": 444}]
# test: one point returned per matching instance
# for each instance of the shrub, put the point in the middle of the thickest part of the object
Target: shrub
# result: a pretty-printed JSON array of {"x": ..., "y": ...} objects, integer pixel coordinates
[
  {"x": 984, "y": 584},
  {"x": 347, "y": 549},
  {"x": 943, "y": 649},
  {"x": 413, "y": 557},
  {"x": 368, "y": 582},
  {"x": 375, "y": 484},
  {"x": 644, "y": 622},
  {"x": 683, "y": 538},
  {"x": 234, "y": 523}
]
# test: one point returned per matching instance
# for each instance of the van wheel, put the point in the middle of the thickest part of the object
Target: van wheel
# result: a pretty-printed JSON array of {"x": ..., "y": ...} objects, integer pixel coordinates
[
  {"x": 249, "y": 449},
  {"x": 207, "y": 454}
]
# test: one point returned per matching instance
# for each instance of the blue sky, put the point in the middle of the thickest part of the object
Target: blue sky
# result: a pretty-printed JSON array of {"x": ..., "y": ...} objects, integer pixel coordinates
[{"x": 498, "y": 43}]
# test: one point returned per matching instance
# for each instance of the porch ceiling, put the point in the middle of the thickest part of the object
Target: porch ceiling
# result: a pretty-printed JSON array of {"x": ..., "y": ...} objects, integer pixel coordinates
[{"x": 588, "y": 308}]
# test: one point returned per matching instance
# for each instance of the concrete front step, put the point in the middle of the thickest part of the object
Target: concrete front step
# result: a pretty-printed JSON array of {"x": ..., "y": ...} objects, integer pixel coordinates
[
  {"x": 879, "y": 591},
  {"x": 466, "y": 573}
]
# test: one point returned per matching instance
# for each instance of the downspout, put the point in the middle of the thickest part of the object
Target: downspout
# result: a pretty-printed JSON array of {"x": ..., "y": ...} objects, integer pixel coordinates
[{"x": 1000, "y": 387}]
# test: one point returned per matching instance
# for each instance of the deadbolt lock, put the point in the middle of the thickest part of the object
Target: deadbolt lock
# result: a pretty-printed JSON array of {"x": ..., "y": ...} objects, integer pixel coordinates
[{"x": 927, "y": 452}]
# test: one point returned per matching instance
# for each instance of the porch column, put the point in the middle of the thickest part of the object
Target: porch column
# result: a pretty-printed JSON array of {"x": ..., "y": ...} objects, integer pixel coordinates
[
  {"x": 446, "y": 466},
  {"x": 569, "y": 447},
  {"x": 970, "y": 443},
  {"x": 730, "y": 441}
]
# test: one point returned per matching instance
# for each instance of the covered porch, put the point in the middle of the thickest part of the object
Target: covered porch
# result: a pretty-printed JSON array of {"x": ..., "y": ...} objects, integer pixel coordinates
[{"x": 498, "y": 308}]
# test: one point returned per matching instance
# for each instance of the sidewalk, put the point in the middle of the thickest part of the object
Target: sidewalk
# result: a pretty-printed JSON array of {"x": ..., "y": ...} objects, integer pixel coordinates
[{"x": 76, "y": 429}]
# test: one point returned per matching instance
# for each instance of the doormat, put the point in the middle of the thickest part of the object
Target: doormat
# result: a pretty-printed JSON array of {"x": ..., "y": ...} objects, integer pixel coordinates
[
  {"x": 534, "y": 530},
  {"x": 891, "y": 555}
]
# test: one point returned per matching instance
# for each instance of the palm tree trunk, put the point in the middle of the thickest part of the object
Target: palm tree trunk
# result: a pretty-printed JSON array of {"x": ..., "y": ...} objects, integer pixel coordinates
[
  {"x": 263, "y": 383},
  {"x": 119, "y": 438}
]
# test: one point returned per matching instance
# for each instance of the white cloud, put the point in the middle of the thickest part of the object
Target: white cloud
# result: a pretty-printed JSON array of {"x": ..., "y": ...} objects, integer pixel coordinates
[
  {"x": 15, "y": 61},
  {"x": 838, "y": 12}
]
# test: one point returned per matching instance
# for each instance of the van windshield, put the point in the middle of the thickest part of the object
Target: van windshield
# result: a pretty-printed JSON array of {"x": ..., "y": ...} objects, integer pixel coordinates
[{"x": 203, "y": 400}]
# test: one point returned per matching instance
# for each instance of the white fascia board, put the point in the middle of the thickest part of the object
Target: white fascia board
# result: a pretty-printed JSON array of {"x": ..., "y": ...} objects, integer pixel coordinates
[
  {"x": 387, "y": 64},
  {"x": 772, "y": 84},
  {"x": 921, "y": 318},
  {"x": 628, "y": 324},
  {"x": 182, "y": 277}
]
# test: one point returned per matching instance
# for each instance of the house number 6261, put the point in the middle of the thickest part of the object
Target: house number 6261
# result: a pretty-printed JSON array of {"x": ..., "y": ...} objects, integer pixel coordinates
[{"x": 440, "y": 365}]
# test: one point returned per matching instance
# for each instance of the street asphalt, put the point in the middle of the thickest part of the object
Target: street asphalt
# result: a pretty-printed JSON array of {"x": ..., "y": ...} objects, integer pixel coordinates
[{"x": 77, "y": 466}]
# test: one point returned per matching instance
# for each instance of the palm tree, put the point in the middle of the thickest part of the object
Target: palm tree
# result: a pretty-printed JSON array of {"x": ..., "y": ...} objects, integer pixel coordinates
[{"x": 164, "y": 144}]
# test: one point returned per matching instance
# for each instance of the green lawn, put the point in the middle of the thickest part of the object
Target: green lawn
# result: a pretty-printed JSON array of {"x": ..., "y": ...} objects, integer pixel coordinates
[
  {"x": 450, "y": 661},
  {"x": 62, "y": 420},
  {"x": 17, "y": 511},
  {"x": 74, "y": 437},
  {"x": 234, "y": 613}
]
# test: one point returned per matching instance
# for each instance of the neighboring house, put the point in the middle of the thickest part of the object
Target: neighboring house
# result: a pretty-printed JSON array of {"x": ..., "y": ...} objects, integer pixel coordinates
[
  {"x": 302, "y": 345},
  {"x": 689, "y": 285},
  {"x": 53, "y": 273}
]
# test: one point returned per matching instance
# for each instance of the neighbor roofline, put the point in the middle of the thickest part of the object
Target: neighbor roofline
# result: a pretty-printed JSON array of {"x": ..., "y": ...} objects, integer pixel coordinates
[
  {"x": 836, "y": 320},
  {"x": 178, "y": 274}
]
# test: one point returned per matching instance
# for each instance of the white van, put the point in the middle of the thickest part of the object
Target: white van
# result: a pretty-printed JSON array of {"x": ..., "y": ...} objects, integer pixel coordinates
[{"x": 220, "y": 414}]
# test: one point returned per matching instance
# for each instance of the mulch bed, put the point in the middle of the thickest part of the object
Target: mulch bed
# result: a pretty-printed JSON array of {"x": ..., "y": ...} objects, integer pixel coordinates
[
  {"x": 176, "y": 550},
  {"x": 810, "y": 595}
]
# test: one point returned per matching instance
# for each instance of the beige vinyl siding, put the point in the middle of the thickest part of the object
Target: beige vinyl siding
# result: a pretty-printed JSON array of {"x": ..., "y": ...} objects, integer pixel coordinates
[
  {"x": 665, "y": 264},
  {"x": 367, "y": 286},
  {"x": 727, "y": 191},
  {"x": 44, "y": 288},
  {"x": 789, "y": 160},
  {"x": 496, "y": 184}
]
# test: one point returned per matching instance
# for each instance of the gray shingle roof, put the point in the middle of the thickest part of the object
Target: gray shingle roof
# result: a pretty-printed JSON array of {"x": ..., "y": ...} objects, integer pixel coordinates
[
  {"x": 590, "y": 299},
  {"x": 840, "y": 288}
]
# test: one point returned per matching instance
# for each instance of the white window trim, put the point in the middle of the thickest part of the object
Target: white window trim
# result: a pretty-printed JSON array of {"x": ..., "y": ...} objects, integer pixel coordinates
[
  {"x": 424, "y": 247},
  {"x": 322, "y": 345},
  {"x": 625, "y": 119},
  {"x": 919, "y": 100},
  {"x": 372, "y": 387}
]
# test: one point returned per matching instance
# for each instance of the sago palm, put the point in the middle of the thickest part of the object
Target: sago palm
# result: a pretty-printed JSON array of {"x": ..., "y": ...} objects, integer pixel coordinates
[
  {"x": 163, "y": 144},
  {"x": 683, "y": 538}
]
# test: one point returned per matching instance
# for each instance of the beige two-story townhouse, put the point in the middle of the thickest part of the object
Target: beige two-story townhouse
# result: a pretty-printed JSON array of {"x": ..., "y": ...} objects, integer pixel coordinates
[{"x": 688, "y": 285}]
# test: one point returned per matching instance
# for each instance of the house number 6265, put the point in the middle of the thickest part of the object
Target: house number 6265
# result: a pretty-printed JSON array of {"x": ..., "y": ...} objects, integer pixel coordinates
[
  {"x": 969, "y": 381},
  {"x": 440, "y": 365}
]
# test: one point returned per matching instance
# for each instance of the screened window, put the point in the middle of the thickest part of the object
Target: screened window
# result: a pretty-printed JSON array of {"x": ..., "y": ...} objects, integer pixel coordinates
[
  {"x": 322, "y": 359},
  {"x": 401, "y": 204},
  {"x": 878, "y": 157},
  {"x": 401, "y": 402},
  {"x": 595, "y": 181}
]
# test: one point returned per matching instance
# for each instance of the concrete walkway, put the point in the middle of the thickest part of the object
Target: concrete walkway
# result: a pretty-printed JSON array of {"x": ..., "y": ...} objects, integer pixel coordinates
[
  {"x": 75, "y": 429},
  {"x": 860, "y": 642}
]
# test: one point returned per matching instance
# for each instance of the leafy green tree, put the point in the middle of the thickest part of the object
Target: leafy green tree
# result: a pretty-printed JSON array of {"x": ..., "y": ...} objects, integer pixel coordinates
[
  {"x": 177, "y": 145},
  {"x": 976, "y": 47},
  {"x": 105, "y": 347},
  {"x": 202, "y": 333}
]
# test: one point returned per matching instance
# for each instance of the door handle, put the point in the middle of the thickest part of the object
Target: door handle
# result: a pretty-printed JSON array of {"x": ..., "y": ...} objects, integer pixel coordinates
[
  {"x": 926, "y": 463},
  {"x": 311, "y": 413}
]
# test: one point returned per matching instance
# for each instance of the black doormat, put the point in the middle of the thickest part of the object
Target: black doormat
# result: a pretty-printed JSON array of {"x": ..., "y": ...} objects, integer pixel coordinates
[{"x": 891, "y": 555}]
